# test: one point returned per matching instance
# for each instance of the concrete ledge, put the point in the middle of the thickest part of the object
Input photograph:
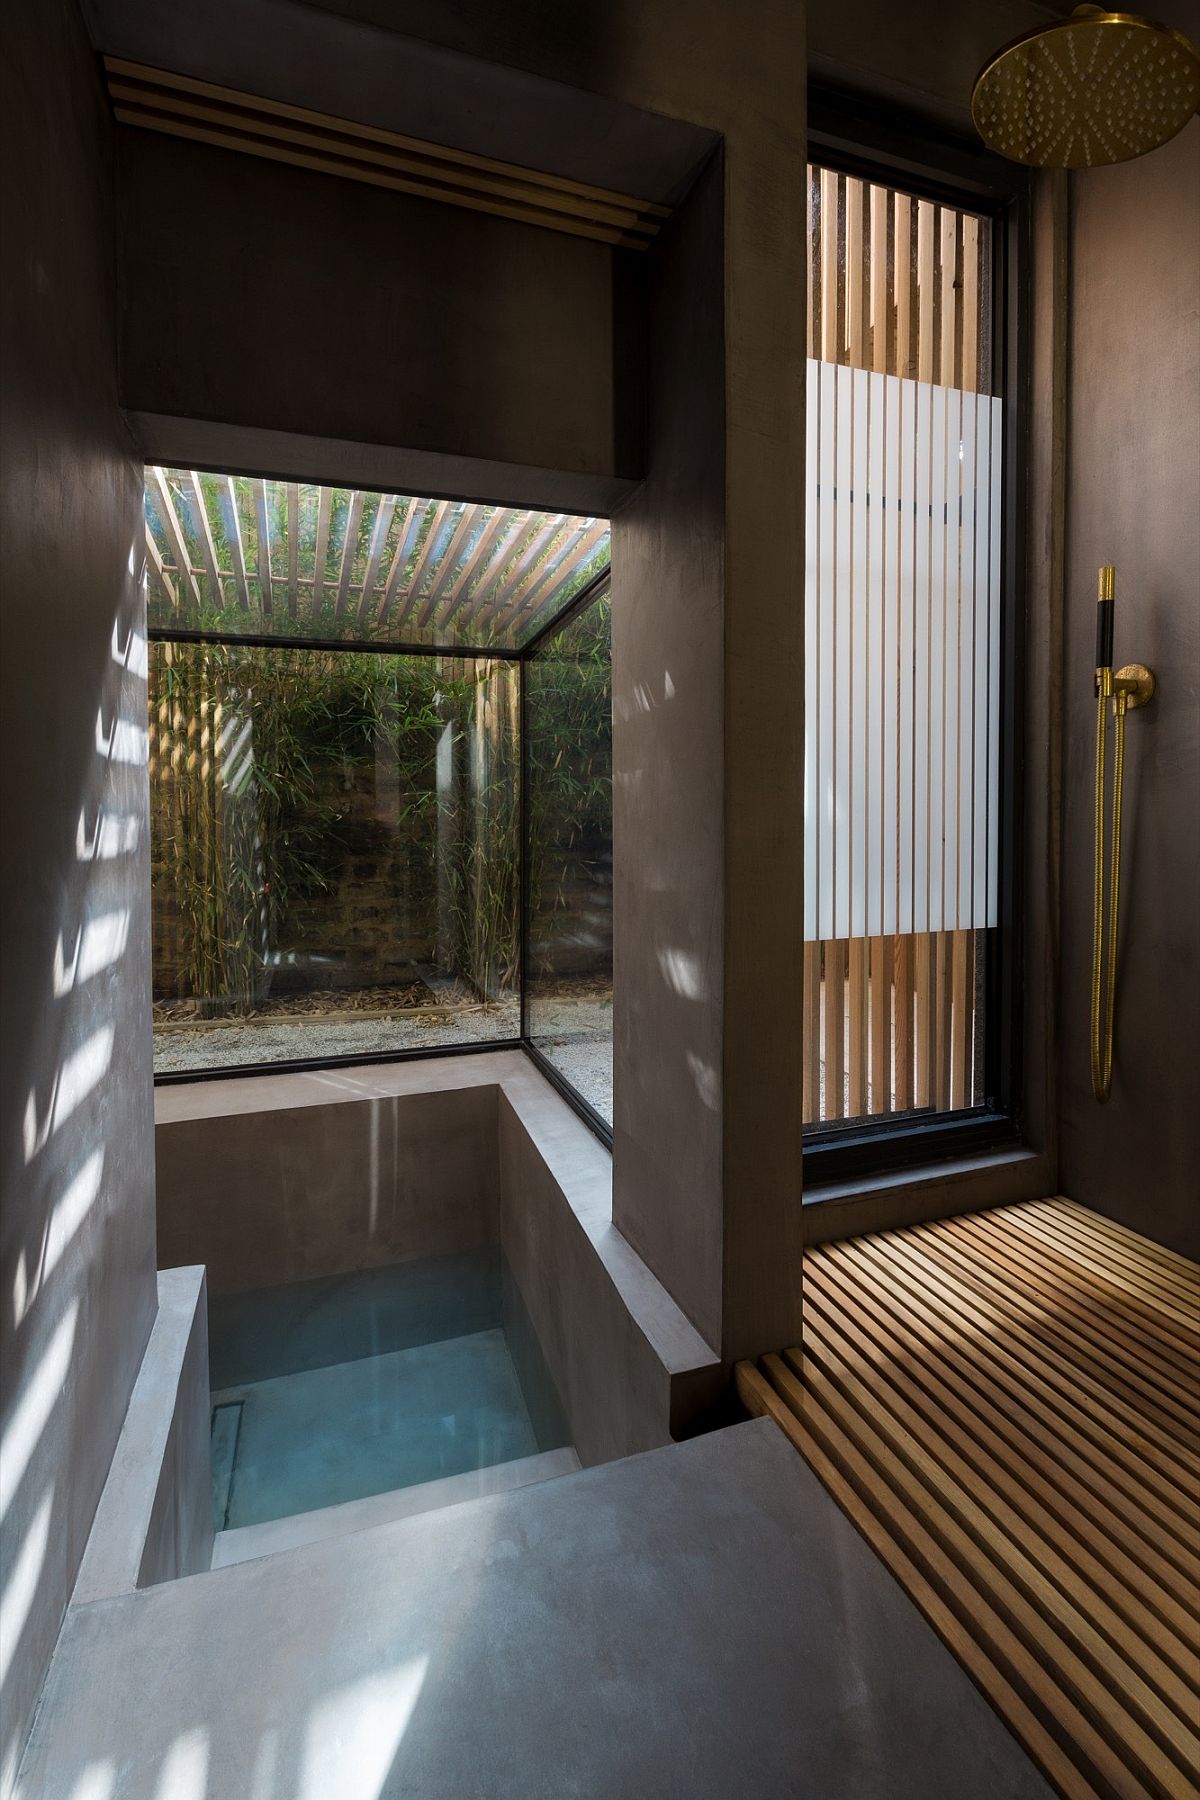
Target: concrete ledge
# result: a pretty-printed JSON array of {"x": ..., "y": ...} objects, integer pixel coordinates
[
  {"x": 631, "y": 1369},
  {"x": 919, "y": 1195},
  {"x": 154, "y": 1520},
  {"x": 247, "y": 1541},
  {"x": 335, "y": 461},
  {"x": 262, "y": 1200}
]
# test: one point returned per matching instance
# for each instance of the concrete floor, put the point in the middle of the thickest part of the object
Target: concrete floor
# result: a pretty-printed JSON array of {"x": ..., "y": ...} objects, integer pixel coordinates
[{"x": 699, "y": 1621}]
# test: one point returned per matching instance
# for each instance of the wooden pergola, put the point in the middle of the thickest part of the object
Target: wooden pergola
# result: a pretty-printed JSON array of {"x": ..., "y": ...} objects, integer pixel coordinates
[{"x": 247, "y": 555}]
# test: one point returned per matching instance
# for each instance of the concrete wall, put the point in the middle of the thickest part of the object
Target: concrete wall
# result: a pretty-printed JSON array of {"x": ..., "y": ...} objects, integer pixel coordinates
[
  {"x": 1133, "y": 499},
  {"x": 668, "y": 781},
  {"x": 707, "y": 1178},
  {"x": 321, "y": 307},
  {"x": 262, "y": 1196},
  {"x": 707, "y": 1182},
  {"x": 76, "y": 1120}
]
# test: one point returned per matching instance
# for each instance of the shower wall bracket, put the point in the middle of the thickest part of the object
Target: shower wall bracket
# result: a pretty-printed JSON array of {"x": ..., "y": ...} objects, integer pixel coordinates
[{"x": 1136, "y": 682}]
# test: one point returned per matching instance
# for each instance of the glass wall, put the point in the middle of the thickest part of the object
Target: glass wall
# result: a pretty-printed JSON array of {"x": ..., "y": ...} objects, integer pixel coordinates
[
  {"x": 335, "y": 852},
  {"x": 568, "y": 762},
  {"x": 336, "y": 714}
]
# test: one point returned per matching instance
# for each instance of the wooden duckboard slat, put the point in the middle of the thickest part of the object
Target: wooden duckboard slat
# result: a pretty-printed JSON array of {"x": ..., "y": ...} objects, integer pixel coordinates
[{"x": 1006, "y": 1405}]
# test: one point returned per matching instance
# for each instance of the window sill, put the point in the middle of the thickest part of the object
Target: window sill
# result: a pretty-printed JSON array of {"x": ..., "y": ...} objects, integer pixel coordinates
[{"x": 925, "y": 1191}]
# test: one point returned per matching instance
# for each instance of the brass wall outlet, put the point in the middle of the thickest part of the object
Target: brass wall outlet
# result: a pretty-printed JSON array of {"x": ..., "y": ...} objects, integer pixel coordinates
[{"x": 1136, "y": 682}]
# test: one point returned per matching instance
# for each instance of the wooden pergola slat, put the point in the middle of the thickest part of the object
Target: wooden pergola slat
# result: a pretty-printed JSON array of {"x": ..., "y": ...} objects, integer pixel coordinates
[
  {"x": 536, "y": 578},
  {"x": 379, "y": 532},
  {"x": 263, "y": 517},
  {"x": 154, "y": 557},
  {"x": 549, "y": 579},
  {"x": 321, "y": 552},
  {"x": 227, "y": 498},
  {"x": 553, "y": 598},
  {"x": 349, "y": 546},
  {"x": 529, "y": 559},
  {"x": 491, "y": 578},
  {"x": 410, "y": 525},
  {"x": 208, "y": 548},
  {"x": 448, "y": 563},
  {"x": 496, "y": 527},
  {"x": 293, "y": 546},
  {"x": 175, "y": 538},
  {"x": 423, "y": 561}
]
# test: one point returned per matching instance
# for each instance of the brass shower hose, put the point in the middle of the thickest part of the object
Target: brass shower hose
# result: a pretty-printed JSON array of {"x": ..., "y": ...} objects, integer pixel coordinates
[
  {"x": 1104, "y": 982},
  {"x": 1129, "y": 687}
]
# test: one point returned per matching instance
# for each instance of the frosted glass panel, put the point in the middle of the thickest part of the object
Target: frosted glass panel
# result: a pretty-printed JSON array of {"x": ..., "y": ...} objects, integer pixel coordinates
[{"x": 902, "y": 644}]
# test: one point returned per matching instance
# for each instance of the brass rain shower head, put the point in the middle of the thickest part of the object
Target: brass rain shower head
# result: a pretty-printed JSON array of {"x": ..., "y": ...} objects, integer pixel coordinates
[{"x": 1101, "y": 87}]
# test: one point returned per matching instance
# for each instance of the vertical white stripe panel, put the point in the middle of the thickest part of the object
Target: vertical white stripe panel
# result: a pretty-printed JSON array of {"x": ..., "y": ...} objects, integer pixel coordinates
[
  {"x": 860, "y": 637},
  {"x": 922, "y": 652},
  {"x": 842, "y": 691},
  {"x": 938, "y": 514},
  {"x": 966, "y": 684},
  {"x": 889, "y": 511},
  {"x": 983, "y": 552},
  {"x": 907, "y": 534},
  {"x": 875, "y": 806},
  {"x": 812, "y": 637},
  {"x": 993, "y": 781},
  {"x": 953, "y": 639},
  {"x": 902, "y": 641},
  {"x": 826, "y": 608}
]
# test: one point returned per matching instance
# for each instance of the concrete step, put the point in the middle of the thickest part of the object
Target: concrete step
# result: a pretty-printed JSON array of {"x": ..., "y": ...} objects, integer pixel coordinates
[{"x": 247, "y": 1541}]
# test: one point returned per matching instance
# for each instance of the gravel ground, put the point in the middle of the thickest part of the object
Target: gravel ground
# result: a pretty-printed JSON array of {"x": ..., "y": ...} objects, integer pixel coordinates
[
  {"x": 575, "y": 1034},
  {"x": 572, "y": 1032},
  {"x": 282, "y": 1040}
]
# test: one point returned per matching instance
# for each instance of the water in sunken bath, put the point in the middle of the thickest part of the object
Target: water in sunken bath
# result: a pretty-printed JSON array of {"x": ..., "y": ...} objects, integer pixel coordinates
[{"x": 330, "y": 1390}]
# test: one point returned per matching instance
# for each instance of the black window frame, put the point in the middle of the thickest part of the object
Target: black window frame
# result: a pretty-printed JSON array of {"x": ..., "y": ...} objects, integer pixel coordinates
[{"x": 855, "y": 137}]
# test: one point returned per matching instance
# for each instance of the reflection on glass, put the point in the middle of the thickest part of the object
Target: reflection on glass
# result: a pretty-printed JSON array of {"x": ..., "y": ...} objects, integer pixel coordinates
[
  {"x": 335, "y": 838},
  {"x": 568, "y": 722}
]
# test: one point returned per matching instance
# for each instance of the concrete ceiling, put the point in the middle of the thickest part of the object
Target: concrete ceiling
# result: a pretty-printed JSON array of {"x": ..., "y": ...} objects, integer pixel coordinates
[{"x": 353, "y": 67}]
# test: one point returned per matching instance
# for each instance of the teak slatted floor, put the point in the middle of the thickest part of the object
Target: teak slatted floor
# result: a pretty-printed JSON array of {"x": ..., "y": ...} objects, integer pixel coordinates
[{"x": 1006, "y": 1405}]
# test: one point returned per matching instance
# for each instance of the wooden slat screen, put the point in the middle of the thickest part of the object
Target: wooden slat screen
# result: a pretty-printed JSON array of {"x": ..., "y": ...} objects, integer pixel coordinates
[{"x": 902, "y": 651}]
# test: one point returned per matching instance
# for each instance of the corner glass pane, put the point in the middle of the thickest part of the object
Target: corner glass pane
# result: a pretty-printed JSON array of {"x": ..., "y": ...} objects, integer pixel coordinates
[
  {"x": 568, "y": 723},
  {"x": 335, "y": 839}
]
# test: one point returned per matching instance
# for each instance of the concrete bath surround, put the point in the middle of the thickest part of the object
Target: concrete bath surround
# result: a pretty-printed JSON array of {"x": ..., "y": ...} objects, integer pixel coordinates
[{"x": 270, "y": 1180}]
